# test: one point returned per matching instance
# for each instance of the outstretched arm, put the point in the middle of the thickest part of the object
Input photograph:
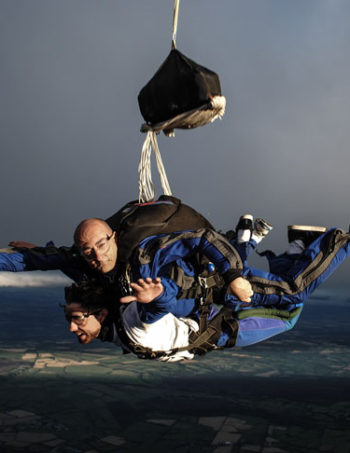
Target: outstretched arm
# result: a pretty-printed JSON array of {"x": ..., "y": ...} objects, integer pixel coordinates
[
  {"x": 22, "y": 244},
  {"x": 43, "y": 258}
]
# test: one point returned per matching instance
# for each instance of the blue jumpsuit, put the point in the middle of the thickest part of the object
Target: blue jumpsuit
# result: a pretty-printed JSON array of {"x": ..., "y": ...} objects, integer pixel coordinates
[{"x": 278, "y": 297}]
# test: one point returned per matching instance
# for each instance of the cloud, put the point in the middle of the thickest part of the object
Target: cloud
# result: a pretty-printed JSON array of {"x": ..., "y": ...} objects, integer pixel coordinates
[{"x": 33, "y": 279}]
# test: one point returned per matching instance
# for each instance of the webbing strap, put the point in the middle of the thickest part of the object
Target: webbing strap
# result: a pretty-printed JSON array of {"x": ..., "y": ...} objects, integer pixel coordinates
[
  {"x": 204, "y": 303},
  {"x": 200, "y": 342},
  {"x": 204, "y": 311}
]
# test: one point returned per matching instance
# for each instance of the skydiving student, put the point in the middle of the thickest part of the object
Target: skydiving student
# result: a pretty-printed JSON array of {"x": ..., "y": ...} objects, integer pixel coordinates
[{"x": 275, "y": 308}]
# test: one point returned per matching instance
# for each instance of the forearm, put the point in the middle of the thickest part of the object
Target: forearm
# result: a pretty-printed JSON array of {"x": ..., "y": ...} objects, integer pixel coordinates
[
  {"x": 12, "y": 261},
  {"x": 38, "y": 258}
]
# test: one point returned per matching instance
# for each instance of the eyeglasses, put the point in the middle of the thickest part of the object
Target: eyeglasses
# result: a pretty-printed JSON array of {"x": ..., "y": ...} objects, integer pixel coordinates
[
  {"x": 101, "y": 246},
  {"x": 80, "y": 319}
]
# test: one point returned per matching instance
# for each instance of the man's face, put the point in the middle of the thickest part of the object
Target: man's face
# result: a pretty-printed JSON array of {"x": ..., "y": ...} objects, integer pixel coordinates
[
  {"x": 84, "y": 325},
  {"x": 97, "y": 244}
]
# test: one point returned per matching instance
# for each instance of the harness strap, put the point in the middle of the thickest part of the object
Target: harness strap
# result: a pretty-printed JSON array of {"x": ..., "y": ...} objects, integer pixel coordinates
[
  {"x": 205, "y": 302},
  {"x": 199, "y": 342},
  {"x": 223, "y": 321}
]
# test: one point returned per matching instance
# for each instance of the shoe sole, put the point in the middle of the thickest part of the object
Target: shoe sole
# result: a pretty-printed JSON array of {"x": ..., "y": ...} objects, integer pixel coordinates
[
  {"x": 263, "y": 224},
  {"x": 307, "y": 228}
]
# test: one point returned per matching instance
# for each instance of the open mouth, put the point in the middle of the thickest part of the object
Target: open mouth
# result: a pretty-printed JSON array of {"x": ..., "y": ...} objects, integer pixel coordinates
[{"x": 82, "y": 337}]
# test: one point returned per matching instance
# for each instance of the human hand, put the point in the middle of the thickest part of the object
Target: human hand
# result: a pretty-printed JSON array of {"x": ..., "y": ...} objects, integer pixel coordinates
[
  {"x": 22, "y": 244},
  {"x": 145, "y": 290},
  {"x": 241, "y": 288}
]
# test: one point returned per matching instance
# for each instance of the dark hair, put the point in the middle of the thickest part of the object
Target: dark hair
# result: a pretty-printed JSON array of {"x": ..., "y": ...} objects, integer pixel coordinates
[{"x": 89, "y": 295}]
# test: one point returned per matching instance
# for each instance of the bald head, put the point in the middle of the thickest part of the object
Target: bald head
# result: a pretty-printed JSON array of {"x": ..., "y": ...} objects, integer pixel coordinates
[
  {"x": 92, "y": 224},
  {"x": 97, "y": 244}
]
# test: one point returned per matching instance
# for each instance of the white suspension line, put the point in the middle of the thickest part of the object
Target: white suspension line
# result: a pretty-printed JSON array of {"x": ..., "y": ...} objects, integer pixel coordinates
[{"x": 146, "y": 185}]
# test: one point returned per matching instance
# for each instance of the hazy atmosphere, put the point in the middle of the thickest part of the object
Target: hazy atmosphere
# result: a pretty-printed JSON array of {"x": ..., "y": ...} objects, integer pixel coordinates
[{"x": 70, "y": 141}]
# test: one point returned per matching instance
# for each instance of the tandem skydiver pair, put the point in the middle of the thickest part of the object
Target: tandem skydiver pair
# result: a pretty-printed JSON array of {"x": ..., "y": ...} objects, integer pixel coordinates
[
  {"x": 178, "y": 259},
  {"x": 172, "y": 334}
]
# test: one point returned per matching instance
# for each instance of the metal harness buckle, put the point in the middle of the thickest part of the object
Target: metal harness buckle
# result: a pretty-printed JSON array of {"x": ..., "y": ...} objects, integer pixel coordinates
[{"x": 203, "y": 282}]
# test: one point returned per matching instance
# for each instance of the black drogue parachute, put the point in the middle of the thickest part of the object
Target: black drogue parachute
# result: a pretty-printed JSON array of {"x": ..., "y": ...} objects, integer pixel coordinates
[{"x": 182, "y": 94}]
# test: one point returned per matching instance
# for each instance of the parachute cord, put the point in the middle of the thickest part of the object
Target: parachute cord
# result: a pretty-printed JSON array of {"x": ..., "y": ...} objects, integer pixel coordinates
[
  {"x": 175, "y": 17},
  {"x": 146, "y": 186},
  {"x": 161, "y": 169}
]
